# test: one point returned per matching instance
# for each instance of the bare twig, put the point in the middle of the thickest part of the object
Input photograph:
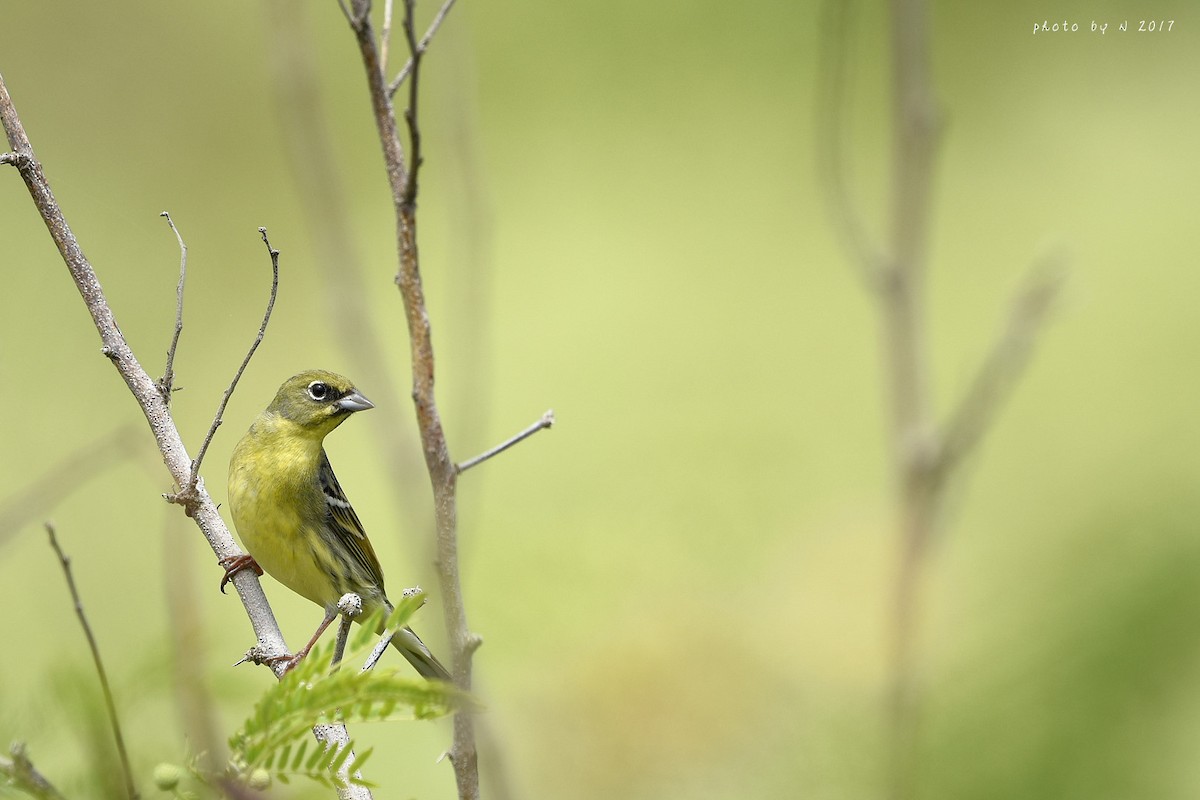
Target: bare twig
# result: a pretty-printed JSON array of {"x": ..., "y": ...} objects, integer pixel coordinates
[
  {"x": 442, "y": 473},
  {"x": 833, "y": 102},
  {"x": 377, "y": 652},
  {"x": 915, "y": 129},
  {"x": 350, "y": 606},
  {"x": 544, "y": 423},
  {"x": 339, "y": 644},
  {"x": 145, "y": 391},
  {"x": 8, "y": 158},
  {"x": 322, "y": 193},
  {"x": 141, "y": 385},
  {"x": 420, "y": 48},
  {"x": 410, "y": 114},
  {"x": 385, "y": 35},
  {"x": 23, "y": 776},
  {"x": 1002, "y": 366},
  {"x": 925, "y": 456},
  {"x": 35, "y": 500},
  {"x": 262, "y": 329},
  {"x": 166, "y": 383},
  {"x": 130, "y": 788}
]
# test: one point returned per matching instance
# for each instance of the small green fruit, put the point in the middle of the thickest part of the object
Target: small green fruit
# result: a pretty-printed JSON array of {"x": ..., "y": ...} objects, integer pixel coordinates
[{"x": 166, "y": 776}]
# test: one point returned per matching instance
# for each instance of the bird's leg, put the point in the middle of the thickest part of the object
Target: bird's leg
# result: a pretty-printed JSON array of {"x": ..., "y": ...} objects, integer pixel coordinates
[
  {"x": 235, "y": 564},
  {"x": 292, "y": 660}
]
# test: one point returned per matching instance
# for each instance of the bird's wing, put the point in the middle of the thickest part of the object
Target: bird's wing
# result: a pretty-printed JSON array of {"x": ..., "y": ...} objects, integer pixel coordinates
[{"x": 345, "y": 526}]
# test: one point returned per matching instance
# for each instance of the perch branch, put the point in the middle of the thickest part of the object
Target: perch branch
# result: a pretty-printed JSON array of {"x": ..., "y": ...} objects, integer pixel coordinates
[
  {"x": 544, "y": 423},
  {"x": 65, "y": 562},
  {"x": 145, "y": 390}
]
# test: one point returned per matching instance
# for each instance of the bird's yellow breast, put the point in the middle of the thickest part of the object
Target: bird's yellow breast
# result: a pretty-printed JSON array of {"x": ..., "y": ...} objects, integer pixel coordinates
[{"x": 278, "y": 507}]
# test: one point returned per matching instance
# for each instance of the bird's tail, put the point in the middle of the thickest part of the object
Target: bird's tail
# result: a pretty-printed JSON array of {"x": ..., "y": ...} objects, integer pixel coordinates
[{"x": 413, "y": 649}]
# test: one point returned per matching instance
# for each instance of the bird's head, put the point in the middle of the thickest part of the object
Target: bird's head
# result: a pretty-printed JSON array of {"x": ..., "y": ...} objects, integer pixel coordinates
[{"x": 318, "y": 401}]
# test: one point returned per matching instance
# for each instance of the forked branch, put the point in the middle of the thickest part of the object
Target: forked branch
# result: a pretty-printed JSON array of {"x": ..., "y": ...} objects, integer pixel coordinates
[
  {"x": 150, "y": 400},
  {"x": 402, "y": 180}
]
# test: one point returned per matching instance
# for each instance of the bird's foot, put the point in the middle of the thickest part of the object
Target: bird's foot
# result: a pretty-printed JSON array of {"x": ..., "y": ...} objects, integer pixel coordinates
[
  {"x": 235, "y": 564},
  {"x": 289, "y": 661}
]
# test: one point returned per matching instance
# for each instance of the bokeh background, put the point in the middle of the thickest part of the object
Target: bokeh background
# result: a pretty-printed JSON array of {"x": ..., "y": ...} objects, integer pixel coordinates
[{"x": 683, "y": 587}]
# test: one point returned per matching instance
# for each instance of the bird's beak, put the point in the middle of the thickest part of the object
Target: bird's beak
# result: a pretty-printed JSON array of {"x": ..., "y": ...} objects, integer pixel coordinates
[{"x": 354, "y": 402}]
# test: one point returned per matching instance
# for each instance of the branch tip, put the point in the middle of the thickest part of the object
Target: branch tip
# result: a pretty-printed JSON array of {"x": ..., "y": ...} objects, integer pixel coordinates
[
  {"x": 422, "y": 46},
  {"x": 350, "y": 605},
  {"x": 262, "y": 330},
  {"x": 166, "y": 384},
  {"x": 544, "y": 423}
]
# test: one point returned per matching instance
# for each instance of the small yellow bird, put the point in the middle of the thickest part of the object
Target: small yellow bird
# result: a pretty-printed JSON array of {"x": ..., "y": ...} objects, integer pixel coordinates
[{"x": 293, "y": 516}]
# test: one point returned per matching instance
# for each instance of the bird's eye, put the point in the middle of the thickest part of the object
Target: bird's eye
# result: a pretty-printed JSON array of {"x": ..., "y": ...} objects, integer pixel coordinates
[{"x": 318, "y": 390}]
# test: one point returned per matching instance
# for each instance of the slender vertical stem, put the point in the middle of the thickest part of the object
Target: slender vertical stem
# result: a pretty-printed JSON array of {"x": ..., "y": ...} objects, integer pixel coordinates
[
  {"x": 924, "y": 454},
  {"x": 902, "y": 295},
  {"x": 402, "y": 180},
  {"x": 167, "y": 381},
  {"x": 111, "y": 706}
]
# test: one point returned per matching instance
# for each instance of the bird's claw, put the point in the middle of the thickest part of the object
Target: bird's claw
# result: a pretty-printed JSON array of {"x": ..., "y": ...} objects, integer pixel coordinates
[
  {"x": 289, "y": 662},
  {"x": 235, "y": 564}
]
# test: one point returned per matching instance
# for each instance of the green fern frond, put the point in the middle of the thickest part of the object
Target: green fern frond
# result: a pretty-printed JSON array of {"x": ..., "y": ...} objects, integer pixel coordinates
[{"x": 276, "y": 736}]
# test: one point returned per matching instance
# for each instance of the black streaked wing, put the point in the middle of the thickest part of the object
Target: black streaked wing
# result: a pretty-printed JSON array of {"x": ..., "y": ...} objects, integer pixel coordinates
[{"x": 344, "y": 524}]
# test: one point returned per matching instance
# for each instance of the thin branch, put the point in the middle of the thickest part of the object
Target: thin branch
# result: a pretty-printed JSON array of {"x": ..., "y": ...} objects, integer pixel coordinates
[
  {"x": 52, "y": 487},
  {"x": 420, "y": 49},
  {"x": 22, "y": 775},
  {"x": 442, "y": 473},
  {"x": 166, "y": 383},
  {"x": 833, "y": 106},
  {"x": 915, "y": 136},
  {"x": 1003, "y": 365},
  {"x": 200, "y": 507},
  {"x": 262, "y": 329},
  {"x": 350, "y": 606},
  {"x": 322, "y": 191},
  {"x": 544, "y": 423},
  {"x": 130, "y": 788},
  {"x": 410, "y": 113},
  {"x": 141, "y": 385},
  {"x": 377, "y": 652},
  {"x": 8, "y": 158},
  {"x": 385, "y": 35},
  {"x": 339, "y": 644}
]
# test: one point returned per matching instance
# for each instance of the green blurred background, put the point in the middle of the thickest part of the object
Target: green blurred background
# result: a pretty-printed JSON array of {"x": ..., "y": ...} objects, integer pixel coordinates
[{"x": 683, "y": 587}]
